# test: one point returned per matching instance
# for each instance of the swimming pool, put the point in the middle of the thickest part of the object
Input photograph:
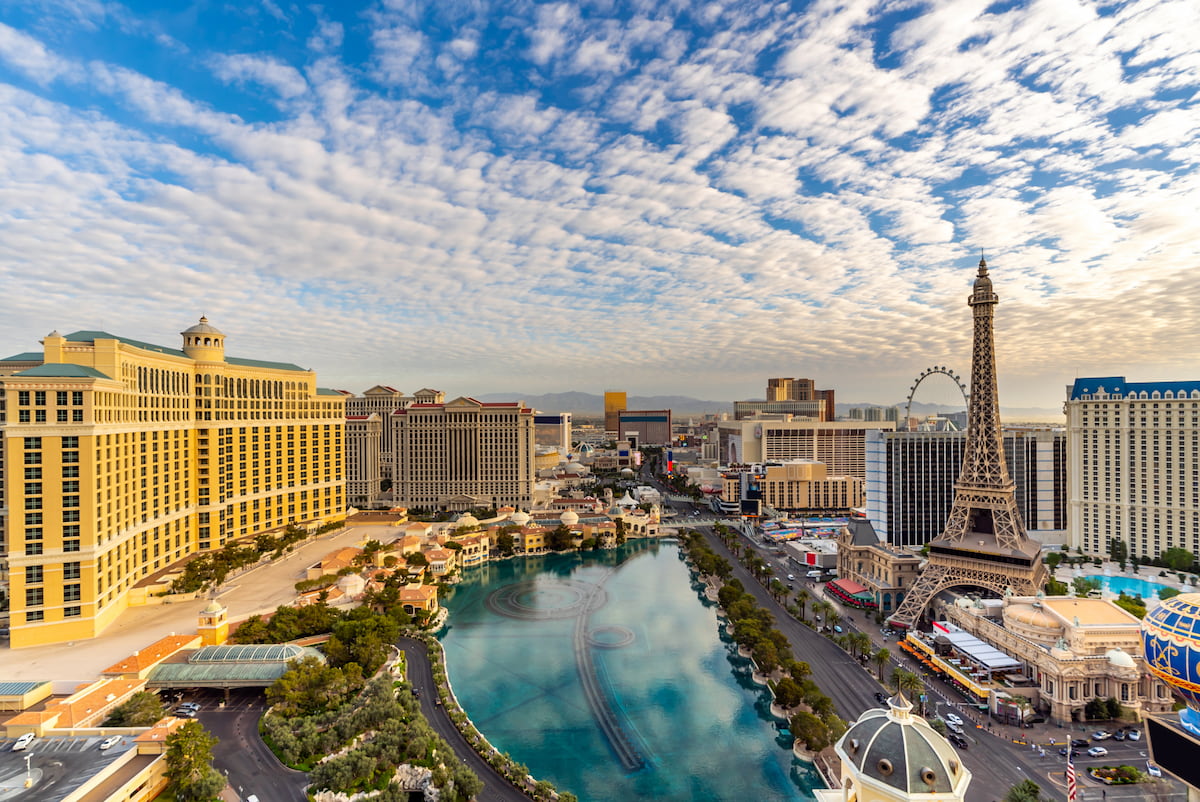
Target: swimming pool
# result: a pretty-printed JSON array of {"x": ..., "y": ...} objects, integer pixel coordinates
[{"x": 1130, "y": 585}]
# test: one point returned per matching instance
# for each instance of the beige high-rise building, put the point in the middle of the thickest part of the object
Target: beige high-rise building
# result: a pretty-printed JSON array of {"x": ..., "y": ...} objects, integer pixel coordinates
[
  {"x": 364, "y": 474},
  {"x": 1133, "y": 451},
  {"x": 383, "y": 401},
  {"x": 840, "y": 445},
  {"x": 121, "y": 458},
  {"x": 464, "y": 454}
]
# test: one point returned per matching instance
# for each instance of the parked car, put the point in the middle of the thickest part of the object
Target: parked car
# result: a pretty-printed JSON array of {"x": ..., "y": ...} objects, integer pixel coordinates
[
  {"x": 952, "y": 718},
  {"x": 1134, "y": 735},
  {"x": 1097, "y": 751},
  {"x": 110, "y": 742},
  {"x": 1153, "y": 770},
  {"x": 1120, "y": 735},
  {"x": 23, "y": 742},
  {"x": 1101, "y": 735},
  {"x": 1080, "y": 743},
  {"x": 184, "y": 712},
  {"x": 837, "y": 629}
]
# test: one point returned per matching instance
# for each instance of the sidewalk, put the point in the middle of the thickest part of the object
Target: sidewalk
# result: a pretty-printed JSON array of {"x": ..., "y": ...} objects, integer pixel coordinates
[{"x": 259, "y": 590}]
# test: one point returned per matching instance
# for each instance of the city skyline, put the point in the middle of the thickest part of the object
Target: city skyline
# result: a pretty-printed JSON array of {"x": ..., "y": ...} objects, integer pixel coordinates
[{"x": 532, "y": 198}]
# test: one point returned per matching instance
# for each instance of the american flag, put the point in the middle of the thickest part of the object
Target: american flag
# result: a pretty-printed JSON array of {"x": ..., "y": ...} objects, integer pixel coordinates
[{"x": 1072, "y": 787}]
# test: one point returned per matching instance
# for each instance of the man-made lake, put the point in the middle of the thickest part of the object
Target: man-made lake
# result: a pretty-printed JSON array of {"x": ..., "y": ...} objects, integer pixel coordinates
[{"x": 607, "y": 674}]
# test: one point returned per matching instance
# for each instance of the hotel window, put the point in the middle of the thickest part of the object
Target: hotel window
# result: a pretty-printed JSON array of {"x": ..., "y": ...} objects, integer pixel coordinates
[
  {"x": 33, "y": 574},
  {"x": 70, "y": 501},
  {"x": 34, "y": 615},
  {"x": 23, "y": 398},
  {"x": 74, "y": 611},
  {"x": 71, "y": 593},
  {"x": 33, "y": 473},
  {"x": 33, "y": 519},
  {"x": 61, "y": 416},
  {"x": 70, "y": 515},
  {"x": 71, "y": 570},
  {"x": 77, "y": 398},
  {"x": 61, "y": 398},
  {"x": 39, "y": 416},
  {"x": 39, "y": 398},
  {"x": 34, "y": 597}
]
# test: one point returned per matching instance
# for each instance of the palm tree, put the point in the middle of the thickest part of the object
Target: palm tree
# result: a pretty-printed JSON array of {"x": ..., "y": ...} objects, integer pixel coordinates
[
  {"x": 802, "y": 599},
  {"x": 862, "y": 642},
  {"x": 881, "y": 658}
]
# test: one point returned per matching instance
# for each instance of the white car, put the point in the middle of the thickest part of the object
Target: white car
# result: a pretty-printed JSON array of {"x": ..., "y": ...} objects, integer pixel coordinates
[
  {"x": 110, "y": 742},
  {"x": 23, "y": 742},
  {"x": 1097, "y": 751},
  {"x": 1153, "y": 770},
  {"x": 1134, "y": 735},
  {"x": 951, "y": 718}
]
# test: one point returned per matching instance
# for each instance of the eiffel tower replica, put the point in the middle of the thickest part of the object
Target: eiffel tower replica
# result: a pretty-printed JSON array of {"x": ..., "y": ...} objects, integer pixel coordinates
[{"x": 984, "y": 543}]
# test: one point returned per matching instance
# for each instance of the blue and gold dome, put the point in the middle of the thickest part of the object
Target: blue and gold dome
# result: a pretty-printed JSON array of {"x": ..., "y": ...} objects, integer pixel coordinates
[{"x": 1171, "y": 637}]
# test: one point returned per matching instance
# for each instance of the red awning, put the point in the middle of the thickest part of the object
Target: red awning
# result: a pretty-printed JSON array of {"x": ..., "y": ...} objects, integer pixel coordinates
[{"x": 849, "y": 587}]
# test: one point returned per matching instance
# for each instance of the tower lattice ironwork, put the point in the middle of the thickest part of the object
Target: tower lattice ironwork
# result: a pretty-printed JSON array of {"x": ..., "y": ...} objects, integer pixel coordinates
[{"x": 984, "y": 543}]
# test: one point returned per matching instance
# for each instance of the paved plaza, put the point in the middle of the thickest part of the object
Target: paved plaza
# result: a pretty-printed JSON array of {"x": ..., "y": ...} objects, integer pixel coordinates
[{"x": 259, "y": 590}]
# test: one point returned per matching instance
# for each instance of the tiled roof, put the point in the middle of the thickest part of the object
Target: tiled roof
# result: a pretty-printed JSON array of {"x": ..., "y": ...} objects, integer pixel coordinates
[
  {"x": 142, "y": 659},
  {"x": 1117, "y": 386},
  {"x": 61, "y": 370},
  {"x": 92, "y": 336}
]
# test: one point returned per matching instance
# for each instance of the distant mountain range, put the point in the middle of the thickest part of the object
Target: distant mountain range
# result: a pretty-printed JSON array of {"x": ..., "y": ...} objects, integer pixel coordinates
[{"x": 592, "y": 405}]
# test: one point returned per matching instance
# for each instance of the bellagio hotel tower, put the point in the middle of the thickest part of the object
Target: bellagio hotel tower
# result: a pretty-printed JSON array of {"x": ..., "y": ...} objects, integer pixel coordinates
[{"x": 120, "y": 458}]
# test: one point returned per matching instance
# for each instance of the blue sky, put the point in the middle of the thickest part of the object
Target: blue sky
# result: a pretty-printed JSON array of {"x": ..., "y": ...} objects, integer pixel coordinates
[{"x": 662, "y": 197}]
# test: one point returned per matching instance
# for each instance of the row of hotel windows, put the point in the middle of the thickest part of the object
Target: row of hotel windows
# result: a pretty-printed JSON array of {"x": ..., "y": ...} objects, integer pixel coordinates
[{"x": 39, "y": 398}]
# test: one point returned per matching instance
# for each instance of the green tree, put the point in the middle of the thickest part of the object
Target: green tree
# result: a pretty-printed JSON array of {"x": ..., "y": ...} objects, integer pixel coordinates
[
  {"x": 1178, "y": 559},
  {"x": 189, "y": 768},
  {"x": 1056, "y": 588},
  {"x": 1166, "y": 593},
  {"x": 1118, "y": 551},
  {"x": 1084, "y": 585},
  {"x": 140, "y": 710},
  {"x": 1053, "y": 559},
  {"x": 1112, "y": 707},
  {"x": 1024, "y": 791},
  {"x": 788, "y": 693},
  {"x": 881, "y": 656},
  {"x": 939, "y": 726},
  {"x": 802, "y": 599},
  {"x": 1134, "y": 605},
  {"x": 810, "y": 730},
  {"x": 506, "y": 543},
  {"x": 416, "y": 558}
]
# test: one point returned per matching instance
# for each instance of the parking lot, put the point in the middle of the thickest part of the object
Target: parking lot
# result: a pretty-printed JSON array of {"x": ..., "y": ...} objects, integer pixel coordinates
[{"x": 57, "y": 766}]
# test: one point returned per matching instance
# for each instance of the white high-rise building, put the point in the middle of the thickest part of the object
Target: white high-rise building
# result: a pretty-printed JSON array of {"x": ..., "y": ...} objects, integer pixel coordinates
[
  {"x": 1134, "y": 470},
  {"x": 464, "y": 454}
]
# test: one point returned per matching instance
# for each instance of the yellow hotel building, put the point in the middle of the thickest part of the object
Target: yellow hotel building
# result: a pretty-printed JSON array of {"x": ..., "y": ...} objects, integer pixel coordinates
[{"x": 120, "y": 458}]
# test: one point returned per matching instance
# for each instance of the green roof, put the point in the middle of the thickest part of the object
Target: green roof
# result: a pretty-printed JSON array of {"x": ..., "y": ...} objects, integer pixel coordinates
[
  {"x": 230, "y": 666},
  {"x": 28, "y": 356},
  {"x": 60, "y": 370},
  {"x": 329, "y": 391},
  {"x": 92, "y": 336},
  {"x": 259, "y": 363}
]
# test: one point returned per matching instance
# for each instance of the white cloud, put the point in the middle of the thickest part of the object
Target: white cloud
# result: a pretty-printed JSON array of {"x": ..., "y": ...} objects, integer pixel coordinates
[{"x": 241, "y": 68}]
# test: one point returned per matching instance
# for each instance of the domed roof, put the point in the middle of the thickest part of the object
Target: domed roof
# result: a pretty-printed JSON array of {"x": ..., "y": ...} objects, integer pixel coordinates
[
  {"x": 1120, "y": 658},
  {"x": 203, "y": 328},
  {"x": 575, "y": 467},
  {"x": 213, "y": 606},
  {"x": 627, "y": 471},
  {"x": 1030, "y": 615},
  {"x": 897, "y": 749},
  {"x": 569, "y": 518},
  {"x": 467, "y": 520},
  {"x": 519, "y": 518},
  {"x": 1171, "y": 643},
  {"x": 626, "y": 501}
]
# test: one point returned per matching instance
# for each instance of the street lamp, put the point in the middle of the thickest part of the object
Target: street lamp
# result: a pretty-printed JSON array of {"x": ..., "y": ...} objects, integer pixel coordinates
[{"x": 28, "y": 772}]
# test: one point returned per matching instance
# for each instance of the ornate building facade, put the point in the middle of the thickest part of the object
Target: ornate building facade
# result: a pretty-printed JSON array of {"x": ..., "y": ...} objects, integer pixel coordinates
[{"x": 121, "y": 458}]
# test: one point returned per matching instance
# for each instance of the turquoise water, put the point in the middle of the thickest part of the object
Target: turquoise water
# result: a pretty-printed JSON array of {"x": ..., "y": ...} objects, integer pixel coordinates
[
  {"x": 545, "y": 652},
  {"x": 1130, "y": 585}
]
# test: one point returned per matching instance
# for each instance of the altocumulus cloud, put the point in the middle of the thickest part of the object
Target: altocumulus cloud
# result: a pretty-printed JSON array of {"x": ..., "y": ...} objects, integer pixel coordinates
[{"x": 658, "y": 196}]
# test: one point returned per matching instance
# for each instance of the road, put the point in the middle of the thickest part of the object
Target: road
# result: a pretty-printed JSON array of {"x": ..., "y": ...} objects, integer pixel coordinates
[
  {"x": 420, "y": 673},
  {"x": 240, "y": 753}
]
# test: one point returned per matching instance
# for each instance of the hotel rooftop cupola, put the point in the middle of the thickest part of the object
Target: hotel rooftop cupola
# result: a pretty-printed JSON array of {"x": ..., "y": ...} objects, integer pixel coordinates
[{"x": 204, "y": 343}]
